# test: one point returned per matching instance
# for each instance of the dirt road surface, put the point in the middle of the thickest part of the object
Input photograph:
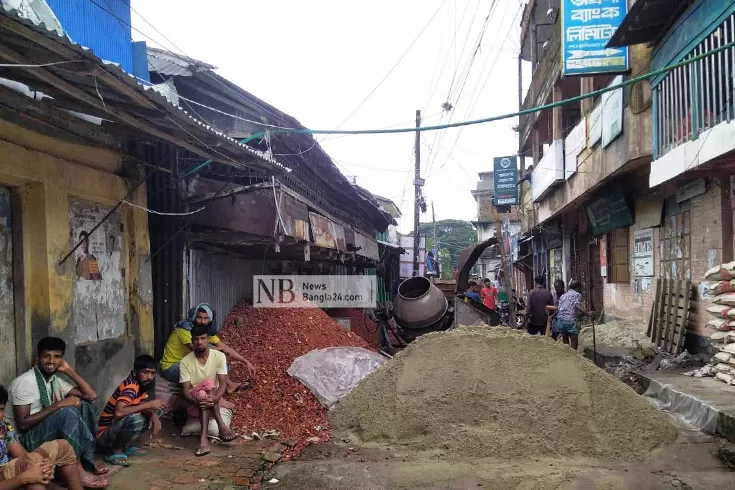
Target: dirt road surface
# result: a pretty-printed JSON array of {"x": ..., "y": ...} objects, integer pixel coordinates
[{"x": 689, "y": 464}]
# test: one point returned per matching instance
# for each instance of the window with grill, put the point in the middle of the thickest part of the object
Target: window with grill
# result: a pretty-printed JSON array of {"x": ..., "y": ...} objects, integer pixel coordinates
[{"x": 618, "y": 256}]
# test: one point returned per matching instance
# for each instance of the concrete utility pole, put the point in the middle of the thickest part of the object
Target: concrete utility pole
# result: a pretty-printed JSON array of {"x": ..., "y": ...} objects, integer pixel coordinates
[
  {"x": 417, "y": 198},
  {"x": 435, "y": 243}
]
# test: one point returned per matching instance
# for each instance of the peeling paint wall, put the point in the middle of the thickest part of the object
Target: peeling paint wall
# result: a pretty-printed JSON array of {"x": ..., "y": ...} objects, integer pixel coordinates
[
  {"x": 7, "y": 305},
  {"x": 62, "y": 188},
  {"x": 98, "y": 304}
]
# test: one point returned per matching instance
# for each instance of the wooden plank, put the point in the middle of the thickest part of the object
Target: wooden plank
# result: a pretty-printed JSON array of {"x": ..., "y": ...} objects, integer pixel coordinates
[
  {"x": 667, "y": 320},
  {"x": 661, "y": 313},
  {"x": 671, "y": 329},
  {"x": 656, "y": 312},
  {"x": 649, "y": 329},
  {"x": 682, "y": 337}
]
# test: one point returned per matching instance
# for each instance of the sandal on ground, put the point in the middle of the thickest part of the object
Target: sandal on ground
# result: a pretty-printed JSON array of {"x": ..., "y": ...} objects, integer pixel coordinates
[
  {"x": 117, "y": 460},
  {"x": 228, "y": 437},
  {"x": 100, "y": 470},
  {"x": 135, "y": 451},
  {"x": 202, "y": 451}
]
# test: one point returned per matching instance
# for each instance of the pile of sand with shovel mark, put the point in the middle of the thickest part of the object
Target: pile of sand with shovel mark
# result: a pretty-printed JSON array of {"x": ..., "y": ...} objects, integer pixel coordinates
[{"x": 499, "y": 393}]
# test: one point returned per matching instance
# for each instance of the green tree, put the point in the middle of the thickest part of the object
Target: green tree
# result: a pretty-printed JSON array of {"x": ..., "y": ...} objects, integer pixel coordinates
[{"x": 453, "y": 236}]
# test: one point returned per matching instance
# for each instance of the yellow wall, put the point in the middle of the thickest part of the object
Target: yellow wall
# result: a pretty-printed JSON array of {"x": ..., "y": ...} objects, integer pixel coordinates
[{"x": 45, "y": 173}]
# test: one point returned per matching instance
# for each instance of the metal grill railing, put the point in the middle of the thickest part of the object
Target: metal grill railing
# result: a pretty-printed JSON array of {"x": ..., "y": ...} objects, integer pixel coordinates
[{"x": 696, "y": 97}]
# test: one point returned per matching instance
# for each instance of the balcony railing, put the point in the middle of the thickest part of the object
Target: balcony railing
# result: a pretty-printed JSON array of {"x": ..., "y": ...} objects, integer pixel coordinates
[{"x": 696, "y": 97}]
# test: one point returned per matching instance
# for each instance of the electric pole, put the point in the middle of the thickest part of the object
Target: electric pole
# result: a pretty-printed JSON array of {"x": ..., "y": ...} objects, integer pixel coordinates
[
  {"x": 417, "y": 182},
  {"x": 435, "y": 245}
]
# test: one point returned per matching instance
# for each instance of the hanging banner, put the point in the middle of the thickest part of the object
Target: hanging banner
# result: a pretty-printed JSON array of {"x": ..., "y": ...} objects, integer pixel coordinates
[
  {"x": 587, "y": 26},
  {"x": 505, "y": 180},
  {"x": 603, "y": 256}
]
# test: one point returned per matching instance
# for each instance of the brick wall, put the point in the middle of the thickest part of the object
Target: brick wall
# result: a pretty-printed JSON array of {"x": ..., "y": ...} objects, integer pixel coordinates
[
  {"x": 633, "y": 301},
  {"x": 706, "y": 246}
]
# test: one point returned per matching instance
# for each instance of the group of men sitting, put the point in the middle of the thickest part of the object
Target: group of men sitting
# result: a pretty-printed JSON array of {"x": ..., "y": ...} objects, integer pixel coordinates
[{"x": 48, "y": 419}]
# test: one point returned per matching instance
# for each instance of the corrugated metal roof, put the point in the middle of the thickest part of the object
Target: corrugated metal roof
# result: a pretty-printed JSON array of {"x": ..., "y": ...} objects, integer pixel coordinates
[
  {"x": 171, "y": 64},
  {"x": 161, "y": 102}
]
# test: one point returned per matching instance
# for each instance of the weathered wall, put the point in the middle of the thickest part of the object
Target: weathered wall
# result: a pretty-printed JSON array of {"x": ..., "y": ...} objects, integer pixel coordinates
[
  {"x": 7, "y": 304},
  {"x": 47, "y": 176},
  {"x": 597, "y": 164},
  {"x": 706, "y": 248},
  {"x": 633, "y": 301}
]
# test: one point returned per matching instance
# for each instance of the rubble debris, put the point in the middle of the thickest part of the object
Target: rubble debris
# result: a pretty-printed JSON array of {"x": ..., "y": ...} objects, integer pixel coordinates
[
  {"x": 504, "y": 394},
  {"x": 706, "y": 371},
  {"x": 278, "y": 406},
  {"x": 627, "y": 371},
  {"x": 619, "y": 333}
]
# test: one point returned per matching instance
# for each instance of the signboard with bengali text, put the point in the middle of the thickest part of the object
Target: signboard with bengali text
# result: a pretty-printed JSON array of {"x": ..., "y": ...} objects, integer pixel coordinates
[
  {"x": 505, "y": 180},
  {"x": 587, "y": 26}
]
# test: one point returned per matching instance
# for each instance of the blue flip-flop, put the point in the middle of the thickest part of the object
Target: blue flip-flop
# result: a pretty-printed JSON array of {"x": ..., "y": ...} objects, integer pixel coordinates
[
  {"x": 117, "y": 460},
  {"x": 135, "y": 451}
]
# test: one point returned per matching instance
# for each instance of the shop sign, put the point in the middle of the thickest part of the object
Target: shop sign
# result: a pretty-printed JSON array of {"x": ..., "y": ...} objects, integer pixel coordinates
[
  {"x": 612, "y": 112},
  {"x": 610, "y": 211},
  {"x": 574, "y": 144},
  {"x": 643, "y": 253},
  {"x": 505, "y": 180},
  {"x": 691, "y": 189},
  {"x": 595, "y": 126},
  {"x": 587, "y": 26}
]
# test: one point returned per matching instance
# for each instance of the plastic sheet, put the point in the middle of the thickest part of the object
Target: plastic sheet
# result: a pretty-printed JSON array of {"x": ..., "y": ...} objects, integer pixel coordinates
[
  {"x": 693, "y": 411},
  {"x": 333, "y": 372}
]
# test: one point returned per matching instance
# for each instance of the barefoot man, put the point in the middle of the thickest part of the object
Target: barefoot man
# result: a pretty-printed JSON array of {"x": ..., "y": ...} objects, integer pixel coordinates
[
  {"x": 21, "y": 469},
  {"x": 46, "y": 407},
  {"x": 203, "y": 378},
  {"x": 179, "y": 344}
]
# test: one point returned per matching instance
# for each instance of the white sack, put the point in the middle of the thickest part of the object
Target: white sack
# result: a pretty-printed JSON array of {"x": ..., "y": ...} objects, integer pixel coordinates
[
  {"x": 333, "y": 372},
  {"x": 193, "y": 426}
]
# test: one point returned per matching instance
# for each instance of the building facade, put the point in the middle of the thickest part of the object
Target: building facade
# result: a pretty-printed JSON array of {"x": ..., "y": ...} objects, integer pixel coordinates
[{"x": 632, "y": 184}]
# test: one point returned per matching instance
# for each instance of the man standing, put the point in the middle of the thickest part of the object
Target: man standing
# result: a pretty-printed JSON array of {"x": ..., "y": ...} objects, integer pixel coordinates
[
  {"x": 570, "y": 305},
  {"x": 46, "y": 407},
  {"x": 489, "y": 295},
  {"x": 179, "y": 344},
  {"x": 128, "y": 413},
  {"x": 538, "y": 299},
  {"x": 558, "y": 292},
  {"x": 203, "y": 383}
]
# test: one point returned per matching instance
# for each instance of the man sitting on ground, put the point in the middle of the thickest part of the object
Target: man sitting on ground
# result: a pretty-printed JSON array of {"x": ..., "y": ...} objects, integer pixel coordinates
[
  {"x": 203, "y": 383},
  {"x": 128, "y": 413},
  {"x": 21, "y": 469},
  {"x": 179, "y": 344},
  {"x": 46, "y": 407}
]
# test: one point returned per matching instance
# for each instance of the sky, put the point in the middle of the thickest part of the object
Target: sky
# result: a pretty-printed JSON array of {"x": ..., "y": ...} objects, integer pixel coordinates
[{"x": 366, "y": 65}]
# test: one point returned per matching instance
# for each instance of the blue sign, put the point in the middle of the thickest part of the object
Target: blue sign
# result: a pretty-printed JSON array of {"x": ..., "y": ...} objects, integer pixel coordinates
[
  {"x": 586, "y": 28},
  {"x": 505, "y": 180}
]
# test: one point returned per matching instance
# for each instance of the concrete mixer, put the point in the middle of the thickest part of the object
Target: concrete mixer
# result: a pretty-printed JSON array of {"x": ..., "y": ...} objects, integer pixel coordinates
[{"x": 419, "y": 308}]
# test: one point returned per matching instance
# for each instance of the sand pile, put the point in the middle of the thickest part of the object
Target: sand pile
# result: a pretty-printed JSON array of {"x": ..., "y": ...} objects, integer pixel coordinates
[
  {"x": 499, "y": 393},
  {"x": 631, "y": 335}
]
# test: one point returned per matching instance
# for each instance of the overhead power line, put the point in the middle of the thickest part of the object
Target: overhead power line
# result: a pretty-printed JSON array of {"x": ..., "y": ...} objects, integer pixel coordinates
[{"x": 524, "y": 112}]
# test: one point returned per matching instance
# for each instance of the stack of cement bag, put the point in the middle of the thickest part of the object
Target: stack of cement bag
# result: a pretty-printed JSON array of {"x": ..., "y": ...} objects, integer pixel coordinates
[{"x": 721, "y": 291}]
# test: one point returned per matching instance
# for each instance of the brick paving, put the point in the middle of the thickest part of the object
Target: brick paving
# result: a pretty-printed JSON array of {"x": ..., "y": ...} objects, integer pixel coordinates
[{"x": 229, "y": 466}]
